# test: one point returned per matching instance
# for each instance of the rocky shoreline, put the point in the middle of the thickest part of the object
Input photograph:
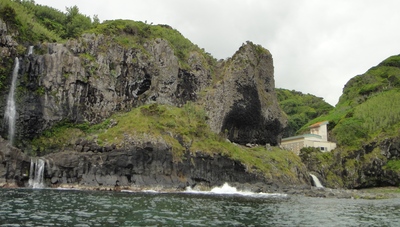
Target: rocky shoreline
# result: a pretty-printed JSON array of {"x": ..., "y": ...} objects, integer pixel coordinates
[
  {"x": 152, "y": 168},
  {"x": 311, "y": 191}
]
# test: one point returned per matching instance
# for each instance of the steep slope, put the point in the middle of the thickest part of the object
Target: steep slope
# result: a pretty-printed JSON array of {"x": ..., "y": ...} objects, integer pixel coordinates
[
  {"x": 300, "y": 108},
  {"x": 126, "y": 89},
  {"x": 243, "y": 104},
  {"x": 365, "y": 123},
  {"x": 368, "y": 105}
]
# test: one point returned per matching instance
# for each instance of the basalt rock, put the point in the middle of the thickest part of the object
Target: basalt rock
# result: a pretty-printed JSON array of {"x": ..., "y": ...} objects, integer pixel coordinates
[
  {"x": 14, "y": 165},
  {"x": 243, "y": 104},
  {"x": 362, "y": 168},
  {"x": 86, "y": 80},
  {"x": 152, "y": 165},
  {"x": 89, "y": 79}
]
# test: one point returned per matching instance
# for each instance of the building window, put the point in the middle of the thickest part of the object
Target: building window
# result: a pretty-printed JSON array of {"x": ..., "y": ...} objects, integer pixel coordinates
[{"x": 322, "y": 148}]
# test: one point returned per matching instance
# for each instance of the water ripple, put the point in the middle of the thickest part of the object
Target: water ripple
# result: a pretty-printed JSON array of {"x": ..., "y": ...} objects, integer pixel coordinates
[{"x": 24, "y": 207}]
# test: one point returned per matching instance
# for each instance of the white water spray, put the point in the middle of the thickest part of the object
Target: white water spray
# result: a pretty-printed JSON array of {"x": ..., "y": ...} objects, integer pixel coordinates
[
  {"x": 30, "y": 50},
  {"x": 36, "y": 173},
  {"x": 10, "y": 114},
  {"x": 226, "y": 189},
  {"x": 317, "y": 183}
]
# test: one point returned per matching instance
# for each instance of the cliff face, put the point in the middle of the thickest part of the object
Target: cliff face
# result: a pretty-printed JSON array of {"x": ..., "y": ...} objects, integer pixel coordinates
[
  {"x": 141, "y": 166},
  {"x": 374, "y": 165},
  {"x": 151, "y": 165},
  {"x": 88, "y": 79},
  {"x": 81, "y": 81},
  {"x": 243, "y": 104},
  {"x": 365, "y": 125}
]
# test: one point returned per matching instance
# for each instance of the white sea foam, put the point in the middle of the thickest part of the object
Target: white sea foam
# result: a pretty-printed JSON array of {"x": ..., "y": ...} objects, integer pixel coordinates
[{"x": 226, "y": 189}]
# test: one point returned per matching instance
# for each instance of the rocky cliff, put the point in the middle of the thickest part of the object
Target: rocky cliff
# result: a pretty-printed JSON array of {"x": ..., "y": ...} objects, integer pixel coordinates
[
  {"x": 83, "y": 81},
  {"x": 373, "y": 165},
  {"x": 365, "y": 125},
  {"x": 138, "y": 167},
  {"x": 243, "y": 104},
  {"x": 152, "y": 165},
  {"x": 88, "y": 79}
]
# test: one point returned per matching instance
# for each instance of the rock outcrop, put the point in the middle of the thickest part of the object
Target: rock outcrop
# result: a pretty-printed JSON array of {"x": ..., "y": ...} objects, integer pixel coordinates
[
  {"x": 152, "y": 165},
  {"x": 88, "y": 79},
  {"x": 142, "y": 166},
  {"x": 243, "y": 104},
  {"x": 361, "y": 168},
  {"x": 81, "y": 81},
  {"x": 14, "y": 165}
]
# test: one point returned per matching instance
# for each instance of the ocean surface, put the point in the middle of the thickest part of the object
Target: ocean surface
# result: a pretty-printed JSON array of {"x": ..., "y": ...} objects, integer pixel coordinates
[{"x": 220, "y": 207}]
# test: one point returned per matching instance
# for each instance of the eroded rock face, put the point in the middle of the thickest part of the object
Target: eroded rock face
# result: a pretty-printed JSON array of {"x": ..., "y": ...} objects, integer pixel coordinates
[
  {"x": 89, "y": 79},
  {"x": 14, "y": 165},
  {"x": 243, "y": 105},
  {"x": 152, "y": 165},
  {"x": 363, "y": 168}
]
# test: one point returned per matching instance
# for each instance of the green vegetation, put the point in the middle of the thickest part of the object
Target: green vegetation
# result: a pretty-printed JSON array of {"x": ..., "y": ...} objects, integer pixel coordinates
[
  {"x": 58, "y": 137},
  {"x": 32, "y": 23},
  {"x": 393, "y": 165},
  {"x": 183, "y": 129},
  {"x": 133, "y": 34},
  {"x": 369, "y": 107},
  {"x": 18, "y": 18},
  {"x": 383, "y": 77},
  {"x": 37, "y": 23},
  {"x": 300, "y": 108},
  {"x": 346, "y": 168},
  {"x": 367, "y": 114}
]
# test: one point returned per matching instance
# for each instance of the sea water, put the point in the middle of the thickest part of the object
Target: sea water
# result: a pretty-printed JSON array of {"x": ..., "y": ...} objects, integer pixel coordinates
[{"x": 49, "y": 207}]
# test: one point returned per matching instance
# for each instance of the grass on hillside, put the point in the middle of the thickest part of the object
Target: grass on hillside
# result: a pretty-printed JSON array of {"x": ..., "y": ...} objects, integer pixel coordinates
[
  {"x": 369, "y": 107},
  {"x": 300, "y": 109},
  {"x": 353, "y": 126},
  {"x": 133, "y": 34},
  {"x": 181, "y": 128},
  {"x": 21, "y": 19}
]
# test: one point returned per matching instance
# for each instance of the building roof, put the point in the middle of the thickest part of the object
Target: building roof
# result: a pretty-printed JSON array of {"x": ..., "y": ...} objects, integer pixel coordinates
[
  {"x": 302, "y": 137},
  {"x": 315, "y": 125}
]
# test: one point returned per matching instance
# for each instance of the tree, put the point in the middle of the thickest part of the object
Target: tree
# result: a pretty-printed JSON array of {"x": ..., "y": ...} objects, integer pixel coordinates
[
  {"x": 96, "y": 20},
  {"x": 76, "y": 23},
  {"x": 9, "y": 15}
]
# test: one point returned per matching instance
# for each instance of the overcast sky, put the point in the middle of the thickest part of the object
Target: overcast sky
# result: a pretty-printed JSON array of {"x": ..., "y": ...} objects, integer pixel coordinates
[{"x": 317, "y": 45}]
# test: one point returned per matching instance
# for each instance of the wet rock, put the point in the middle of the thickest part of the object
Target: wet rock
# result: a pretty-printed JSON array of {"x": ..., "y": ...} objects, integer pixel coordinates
[
  {"x": 14, "y": 164},
  {"x": 153, "y": 165}
]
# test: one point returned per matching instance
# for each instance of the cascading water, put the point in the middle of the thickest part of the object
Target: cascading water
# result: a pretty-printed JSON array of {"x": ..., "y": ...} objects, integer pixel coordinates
[
  {"x": 317, "y": 183},
  {"x": 36, "y": 173},
  {"x": 30, "y": 50},
  {"x": 10, "y": 114}
]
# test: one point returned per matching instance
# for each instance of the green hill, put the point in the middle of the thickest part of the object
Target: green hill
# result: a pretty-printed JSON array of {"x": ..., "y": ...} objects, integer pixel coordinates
[
  {"x": 365, "y": 124},
  {"x": 300, "y": 108},
  {"x": 368, "y": 107}
]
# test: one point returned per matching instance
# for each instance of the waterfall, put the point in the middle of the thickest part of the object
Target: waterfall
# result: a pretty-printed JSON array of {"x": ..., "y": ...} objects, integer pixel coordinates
[
  {"x": 36, "y": 173},
  {"x": 10, "y": 113},
  {"x": 317, "y": 183},
  {"x": 30, "y": 50}
]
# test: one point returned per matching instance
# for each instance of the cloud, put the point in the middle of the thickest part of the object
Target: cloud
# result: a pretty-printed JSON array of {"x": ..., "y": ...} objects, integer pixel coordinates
[{"x": 317, "y": 46}]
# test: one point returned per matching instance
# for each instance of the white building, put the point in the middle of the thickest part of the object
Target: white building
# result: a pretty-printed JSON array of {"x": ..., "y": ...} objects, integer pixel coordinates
[{"x": 318, "y": 138}]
